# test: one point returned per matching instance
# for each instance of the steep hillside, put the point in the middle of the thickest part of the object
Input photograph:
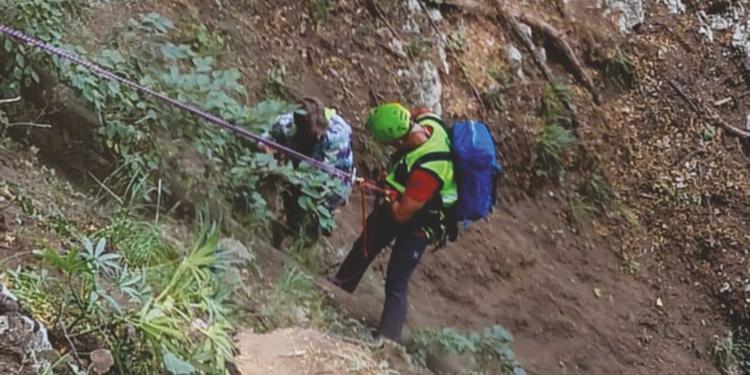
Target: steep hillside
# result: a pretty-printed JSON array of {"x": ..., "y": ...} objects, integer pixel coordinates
[{"x": 619, "y": 246}]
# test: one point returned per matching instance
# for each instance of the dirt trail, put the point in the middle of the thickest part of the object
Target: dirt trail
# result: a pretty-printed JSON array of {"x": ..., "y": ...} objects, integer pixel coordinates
[{"x": 301, "y": 351}]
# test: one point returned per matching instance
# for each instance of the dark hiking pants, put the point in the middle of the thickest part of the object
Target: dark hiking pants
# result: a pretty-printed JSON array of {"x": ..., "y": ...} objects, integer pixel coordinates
[{"x": 407, "y": 251}]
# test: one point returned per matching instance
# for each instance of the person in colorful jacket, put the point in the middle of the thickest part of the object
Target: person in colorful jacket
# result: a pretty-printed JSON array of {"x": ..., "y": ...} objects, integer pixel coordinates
[
  {"x": 415, "y": 214},
  {"x": 322, "y": 134}
]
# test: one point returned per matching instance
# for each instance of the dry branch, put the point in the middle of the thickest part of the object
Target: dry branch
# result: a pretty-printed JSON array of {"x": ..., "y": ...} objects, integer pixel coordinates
[
  {"x": 375, "y": 9},
  {"x": 707, "y": 113}
]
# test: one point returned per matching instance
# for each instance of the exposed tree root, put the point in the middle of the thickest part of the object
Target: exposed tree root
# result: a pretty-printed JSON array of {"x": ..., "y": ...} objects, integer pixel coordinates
[
  {"x": 562, "y": 45},
  {"x": 512, "y": 20}
]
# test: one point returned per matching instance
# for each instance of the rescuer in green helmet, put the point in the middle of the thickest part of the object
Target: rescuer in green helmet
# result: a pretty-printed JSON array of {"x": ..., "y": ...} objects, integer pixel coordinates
[{"x": 421, "y": 189}]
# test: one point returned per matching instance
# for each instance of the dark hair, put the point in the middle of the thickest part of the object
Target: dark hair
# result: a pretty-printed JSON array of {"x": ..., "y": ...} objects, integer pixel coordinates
[{"x": 311, "y": 116}]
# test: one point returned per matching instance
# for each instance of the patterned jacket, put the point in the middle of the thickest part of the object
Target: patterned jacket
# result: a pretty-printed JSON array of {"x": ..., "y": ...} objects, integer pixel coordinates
[{"x": 334, "y": 148}]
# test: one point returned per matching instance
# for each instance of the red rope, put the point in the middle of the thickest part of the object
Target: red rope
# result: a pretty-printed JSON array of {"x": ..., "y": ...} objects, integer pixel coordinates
[{"x": 364, "y": 219}]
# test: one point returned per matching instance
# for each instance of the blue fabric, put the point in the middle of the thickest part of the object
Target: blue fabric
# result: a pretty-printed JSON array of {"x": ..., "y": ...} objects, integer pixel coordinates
[
  {"x": 475, "y": 159},
  {"x": 405, "y": 256}
]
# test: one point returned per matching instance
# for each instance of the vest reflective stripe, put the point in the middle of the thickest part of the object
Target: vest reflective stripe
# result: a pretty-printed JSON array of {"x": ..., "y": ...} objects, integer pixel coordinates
[{"x": 434, "y": 156}]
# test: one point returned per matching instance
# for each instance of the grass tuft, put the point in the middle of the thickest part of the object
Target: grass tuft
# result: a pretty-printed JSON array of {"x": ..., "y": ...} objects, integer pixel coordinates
[
  {"x": 621, "y": 70},
  {"x": 551, "y": 145}
]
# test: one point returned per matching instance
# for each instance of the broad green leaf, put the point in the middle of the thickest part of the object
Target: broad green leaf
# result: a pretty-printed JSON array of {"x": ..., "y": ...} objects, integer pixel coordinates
[{"x": 176, "y": 365}]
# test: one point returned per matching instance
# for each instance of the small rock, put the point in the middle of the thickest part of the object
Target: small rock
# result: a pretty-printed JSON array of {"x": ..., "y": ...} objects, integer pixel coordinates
[
  {"x": 514, "y": 55},
  {"x": 413, "y": 6},
  {"x": 526, "y": 30},
  {"x": 630, "y": 13},
  {"x": 102, "y": 361},
  {"x": 598, "y": 292},
  {"x": 412, "y": 27},
  {"x": 8, "y": 305},
  {"x": 725, "y": 288},
  {"x": 8, "y": 302},
  {"x": 741, "y": 41},
  {"x": 435, "y": 15},
  {"x": 397, "y": 46},
  {"x": 542, "y": 54},
  {"x": 443, "y": 56},
  {"x": 675, "y": 6},
  {"x": 301, "y": 315},
  {"x": 427, "y": 86},
  {"x": 659, "y": 303}
]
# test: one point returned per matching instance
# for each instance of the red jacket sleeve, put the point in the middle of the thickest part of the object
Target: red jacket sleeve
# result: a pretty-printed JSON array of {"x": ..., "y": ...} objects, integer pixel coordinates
[
  {"x": 422, "y": 185},
  {"x": 419, "y": 112}
]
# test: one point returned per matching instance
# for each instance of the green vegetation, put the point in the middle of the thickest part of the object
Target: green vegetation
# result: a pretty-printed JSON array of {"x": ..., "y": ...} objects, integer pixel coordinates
[
  {"x": 275, "y": 85},
  {"x": 723, "y": 355},
  {"x": 291, "y": 301},
  {"x": 321, "y": 9},
  {"x": 551, "y": 144},
  {"x": 731, "y": 353},
  {"x": 133, "y": 125},
  {"x": 417, "y": 48},
  {"x": 172, "y": 311},
  {"x": 555, "y": 136},
  {"x": 500, "y": 73},
  {"x": 457, "y": 40},
  {"x": 490, "y": 349},
  {"x": 552, "y": 109},
  {"x": 620, "y": 69},
  {"x": 599, "y": 190}
]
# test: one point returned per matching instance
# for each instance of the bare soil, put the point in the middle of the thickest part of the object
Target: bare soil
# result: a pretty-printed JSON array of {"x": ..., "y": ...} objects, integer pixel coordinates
[{"x": 302, "y": 351}]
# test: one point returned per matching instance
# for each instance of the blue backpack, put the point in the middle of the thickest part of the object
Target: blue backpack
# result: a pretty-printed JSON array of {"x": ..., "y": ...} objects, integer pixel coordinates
[{"x": 477, "y": 169}]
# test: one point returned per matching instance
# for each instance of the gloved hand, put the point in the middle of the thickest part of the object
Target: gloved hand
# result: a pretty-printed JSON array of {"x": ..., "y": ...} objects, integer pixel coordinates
[{"x": 391, "y": 195}]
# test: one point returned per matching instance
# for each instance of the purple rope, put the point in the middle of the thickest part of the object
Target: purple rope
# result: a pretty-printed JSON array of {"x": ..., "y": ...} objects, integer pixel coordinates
[{"x": 102, "y": 72}]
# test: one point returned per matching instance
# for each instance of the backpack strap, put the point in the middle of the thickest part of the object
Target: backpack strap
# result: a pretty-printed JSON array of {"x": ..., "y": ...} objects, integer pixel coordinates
[
  {"x": 429, "y": 116},
  {"x": 434, "y": 156},
  {"x": 495, "y": 185}
]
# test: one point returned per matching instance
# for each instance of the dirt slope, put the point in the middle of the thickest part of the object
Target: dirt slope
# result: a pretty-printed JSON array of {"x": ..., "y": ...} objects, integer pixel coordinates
[
  {"x": 524, "y": 269},
  {"x": 567, "y": 292}
]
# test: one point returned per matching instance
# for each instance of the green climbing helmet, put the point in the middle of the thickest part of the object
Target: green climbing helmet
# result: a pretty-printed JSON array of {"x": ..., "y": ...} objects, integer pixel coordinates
[{"x": 389, "y": 122}]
